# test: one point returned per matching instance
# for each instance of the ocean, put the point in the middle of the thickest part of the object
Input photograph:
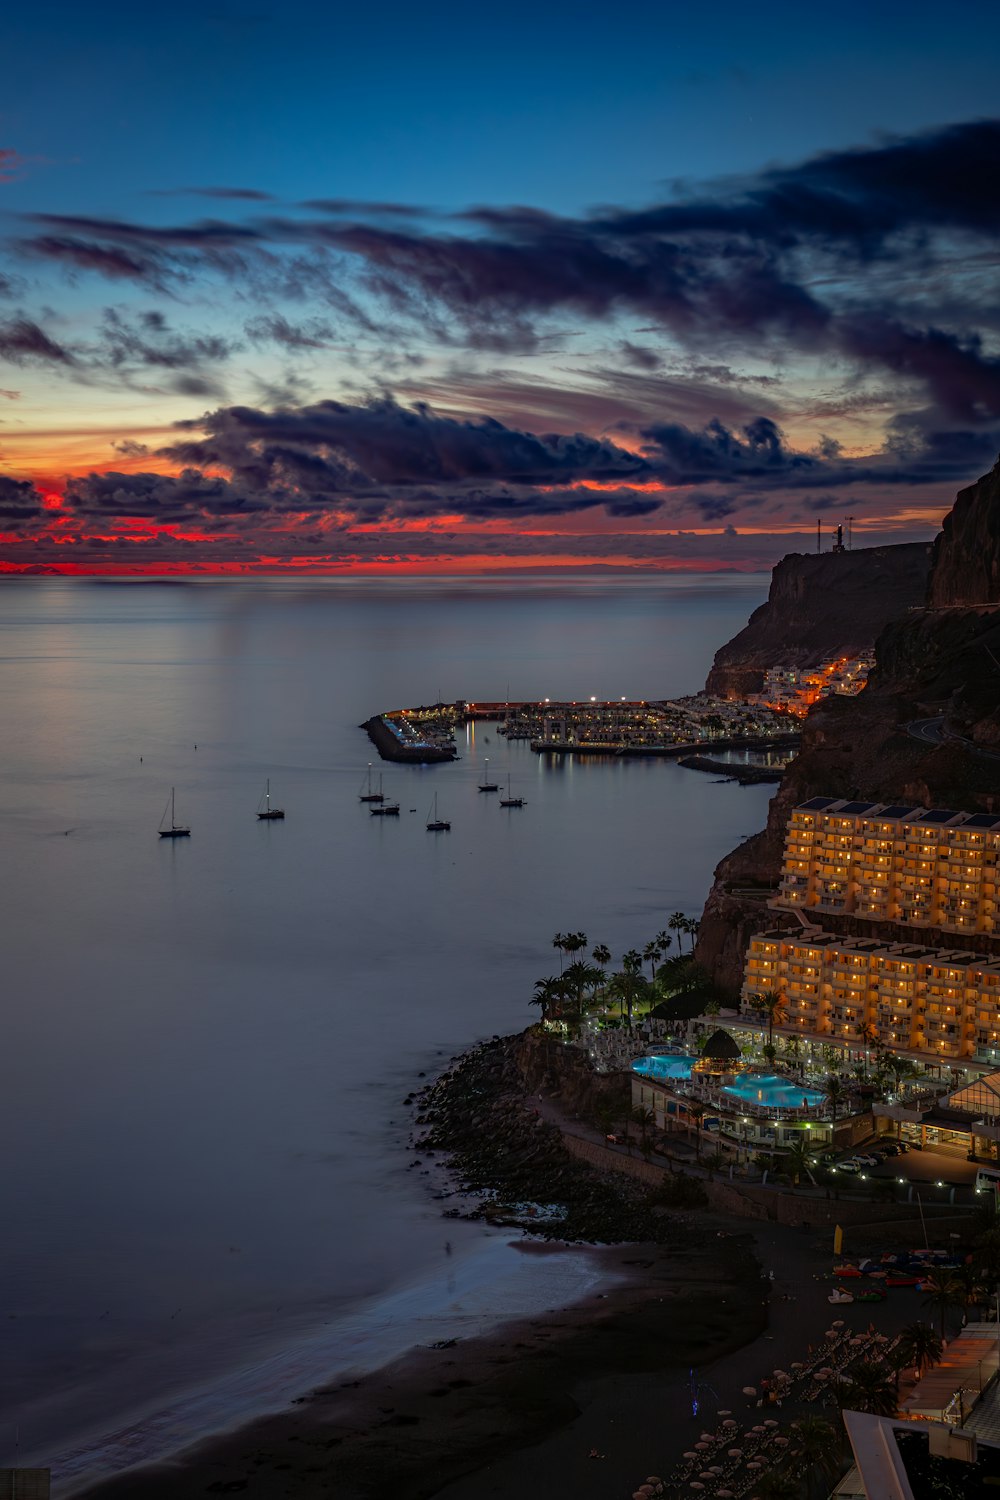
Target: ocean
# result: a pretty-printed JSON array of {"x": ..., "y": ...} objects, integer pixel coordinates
[{"x": 208, "y": 1202}]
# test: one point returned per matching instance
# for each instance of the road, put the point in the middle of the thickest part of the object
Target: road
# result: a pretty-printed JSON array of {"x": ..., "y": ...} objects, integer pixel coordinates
[{"x": 935, "y": 731}]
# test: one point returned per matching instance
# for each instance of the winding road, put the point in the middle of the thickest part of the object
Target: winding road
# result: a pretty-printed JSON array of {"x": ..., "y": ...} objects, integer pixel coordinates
[{"x": 935, "y": 731}]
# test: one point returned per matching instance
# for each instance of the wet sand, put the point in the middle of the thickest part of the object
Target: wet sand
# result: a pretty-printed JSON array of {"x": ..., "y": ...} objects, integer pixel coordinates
[{"x": 421, "y": 1423}]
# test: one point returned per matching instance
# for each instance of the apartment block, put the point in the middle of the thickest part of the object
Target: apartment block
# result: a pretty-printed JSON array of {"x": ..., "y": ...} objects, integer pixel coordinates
[
  {"x": 893, "y": 863},
  {"x": 939, "y": 1004}
]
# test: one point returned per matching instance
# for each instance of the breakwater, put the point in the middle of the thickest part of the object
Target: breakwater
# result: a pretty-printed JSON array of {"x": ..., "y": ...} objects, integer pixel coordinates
[
  {"x": 391, "y": 745},
  {"x": 746, "y": 775}
]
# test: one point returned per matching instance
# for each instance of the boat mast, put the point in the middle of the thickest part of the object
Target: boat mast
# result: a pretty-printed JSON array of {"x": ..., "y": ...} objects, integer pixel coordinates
[{"x": 172, "y": 822}]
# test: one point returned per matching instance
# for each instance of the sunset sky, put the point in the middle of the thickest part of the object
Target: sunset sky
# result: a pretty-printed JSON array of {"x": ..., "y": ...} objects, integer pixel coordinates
[{"x": 457, "y": 288}]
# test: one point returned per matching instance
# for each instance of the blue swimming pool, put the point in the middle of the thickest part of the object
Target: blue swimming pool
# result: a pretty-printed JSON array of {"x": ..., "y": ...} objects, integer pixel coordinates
[
  {"x": 663, "y": 1067},
  {"x": 770, "y": 1088}
]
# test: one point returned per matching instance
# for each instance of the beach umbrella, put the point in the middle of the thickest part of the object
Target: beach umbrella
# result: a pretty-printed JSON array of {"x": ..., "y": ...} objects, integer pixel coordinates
[
  {"x": 749, "y": 1390},
  {"x": 735, "y": 1452},
  {"x": 692, "y": 1454},
  {"x": 707, "y": 1437},
  {"x": 755, "y": 1464},
  {"x": 701, "y": 1447},
  {"x": 770, "y": 1422},
  {"x": 724, "y": 1413},
  {"x": 796, "y": 1364},
  {"x": 714, "y": 1469},
  {"x": 725, "y": 1494},
  {"x": 730, "y": 1423},
  {"x": 653, "y": 1479},
  {"x": 838, "y": 1322},
  {"x": 696, "y": 1486},
  {"x": 782, "y": 1442}
]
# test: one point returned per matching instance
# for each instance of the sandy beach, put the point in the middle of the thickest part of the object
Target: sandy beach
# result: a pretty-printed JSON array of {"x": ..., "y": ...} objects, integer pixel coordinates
[{"x": 421, "y": 1423}]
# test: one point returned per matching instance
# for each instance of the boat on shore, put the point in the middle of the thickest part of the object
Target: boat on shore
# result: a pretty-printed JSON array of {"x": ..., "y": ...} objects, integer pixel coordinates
[
  {"x": 265, "y": 811},
  {"x": 434, "y": 823},
  {"x": 486, "y": 785},
  {"x": 173, "y": 829},
  {"x": 369, "y": 795},
  {"x": 510, "y": 800}
]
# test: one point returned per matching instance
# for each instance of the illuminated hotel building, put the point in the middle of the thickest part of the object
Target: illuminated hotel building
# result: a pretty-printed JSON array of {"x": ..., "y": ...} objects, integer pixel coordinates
[
  {"x": 899, "y": 864},
  {"x": 927, "y": 1002}
]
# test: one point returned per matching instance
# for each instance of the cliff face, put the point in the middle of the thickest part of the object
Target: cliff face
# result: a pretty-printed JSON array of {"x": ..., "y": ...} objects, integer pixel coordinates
[
  {"x": 940, "y": 663},
  {"x": 820, "y": 605},
  {"x": 966, "y": 565}
]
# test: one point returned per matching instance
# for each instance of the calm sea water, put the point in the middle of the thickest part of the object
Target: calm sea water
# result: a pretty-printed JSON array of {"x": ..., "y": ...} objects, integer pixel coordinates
[{"x": 207, "y": 1203}]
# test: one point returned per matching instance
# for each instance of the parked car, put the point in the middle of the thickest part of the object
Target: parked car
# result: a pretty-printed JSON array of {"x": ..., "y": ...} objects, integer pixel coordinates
[
  {"x": 891, "y": 1149},
  {"x": 866, "y": 1161},
  {"x": 848, "y": 1166}
]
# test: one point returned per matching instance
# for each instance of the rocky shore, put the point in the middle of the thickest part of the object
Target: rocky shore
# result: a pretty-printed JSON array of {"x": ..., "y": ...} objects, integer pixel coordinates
[{"x": 498, "y": 1147}]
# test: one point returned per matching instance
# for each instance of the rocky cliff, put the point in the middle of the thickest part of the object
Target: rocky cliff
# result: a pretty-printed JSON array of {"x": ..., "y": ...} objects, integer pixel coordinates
[
  {"x": 820, "y": 605},
  {"x": 941, "y": 664},
  {"x": 966, "y": 562}
]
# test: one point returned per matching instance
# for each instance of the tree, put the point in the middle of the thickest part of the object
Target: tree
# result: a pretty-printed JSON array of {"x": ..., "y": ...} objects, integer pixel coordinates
[
  {"x": 664, "y": 942},
  {"x": 559, "y": 942},
  {"x": 578, "y": 976},
  {"x": 551, "y": 995},
  {"x": 834, "y": 1090},
  {"x": 644, "y": 1118},
  {"x": 943, "y": 1293},
  {"x": 651, "y": 953},
  {"x": 772, "y": 1003},
  {"x": 690, "y": 926},
  {"x": 676, "y": 922},
  {"x": 868, "y": 1036},
  {"x": 872, "y": 1388},
  {"x": 696, "y": 1113},
  {"x": 601, "y": 955},
  {"x": 574, "y": 941},
  {"x": 815, "y": 1449},
  {"x": 628, "y": 987},
  {"x": 920, "y": 1346},
  {"x": 775, "y": 1484},
  {"x": 798, "y": 1157}
]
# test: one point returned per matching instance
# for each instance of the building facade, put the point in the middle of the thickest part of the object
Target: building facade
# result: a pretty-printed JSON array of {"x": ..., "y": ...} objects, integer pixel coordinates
[
  {"x": 893, "y": 863},
  {"x": 938, "y": 1005}
]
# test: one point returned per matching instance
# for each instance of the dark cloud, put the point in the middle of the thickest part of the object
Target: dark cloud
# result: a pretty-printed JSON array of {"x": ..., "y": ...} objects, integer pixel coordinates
[
  {"x": 113, "y": 261},
  {"x": 129, "y": 448},
  {"x": 21, "y": 341},
  {"x": 150, "y": 341},
  {"x": 237, "y": 195},
  {"x": 273, "y": 328},
  {"x": 205, "y": 233},
  {"x": 160, "y": 497},
  {"x": 360, "y": 208},
  {"x": 20, "y": 503}
]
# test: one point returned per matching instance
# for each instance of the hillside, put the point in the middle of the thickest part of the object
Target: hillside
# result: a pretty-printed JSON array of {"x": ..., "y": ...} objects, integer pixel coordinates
[
  {"x": 821, "y": 605},
  {"x": 940, "y": 663}
]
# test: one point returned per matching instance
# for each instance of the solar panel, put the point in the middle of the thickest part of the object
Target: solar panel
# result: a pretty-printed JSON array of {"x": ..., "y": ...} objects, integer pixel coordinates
[
  {"x": 937, "y": 815},
  {"x": 896, "y": 812},
  {"x": 816, "y": 804},
  {"x": 982, "y": 820},
  {"x": 855, "y": 807}
]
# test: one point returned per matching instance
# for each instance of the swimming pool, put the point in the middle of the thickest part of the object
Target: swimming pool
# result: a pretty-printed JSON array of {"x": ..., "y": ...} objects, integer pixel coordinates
[
  {"x": 771, "y": 1088},
  {"x": 663, "y": 1067}
]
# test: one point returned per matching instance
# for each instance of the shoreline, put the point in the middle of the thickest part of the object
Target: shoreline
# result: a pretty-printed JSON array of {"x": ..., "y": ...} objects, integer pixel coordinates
[{"x": 427, "y": 1419}]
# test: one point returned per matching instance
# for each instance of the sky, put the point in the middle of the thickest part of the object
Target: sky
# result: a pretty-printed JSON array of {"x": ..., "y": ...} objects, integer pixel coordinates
[{"x": 459, "y": 289}]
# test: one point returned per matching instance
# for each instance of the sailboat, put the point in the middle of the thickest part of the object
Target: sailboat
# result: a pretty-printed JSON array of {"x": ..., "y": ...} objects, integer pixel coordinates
[
  {"x": 486, "y": 785},
  {"x": 369, "y": 795},
  {"x": 510, "y": 801},
  {"x": 264, "y": 809},
  {"x": 434, "y": 823},
  {"x": 173, "y": 830},
  {"x": 386, "y": 809}
]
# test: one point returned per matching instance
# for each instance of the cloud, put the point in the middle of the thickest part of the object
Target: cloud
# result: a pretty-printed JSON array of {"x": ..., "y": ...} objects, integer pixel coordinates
[
  {"x": 273, "y": 328},
  {"x": 20, "y": 503},
  {"x": 237, "y": 195},
  {"x": 10, "y": 164},
  {"x": 21, "y": 341}
]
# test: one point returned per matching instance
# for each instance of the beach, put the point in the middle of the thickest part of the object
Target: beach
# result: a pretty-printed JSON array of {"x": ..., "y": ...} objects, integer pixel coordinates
[{"x": 413, "y": 1428}]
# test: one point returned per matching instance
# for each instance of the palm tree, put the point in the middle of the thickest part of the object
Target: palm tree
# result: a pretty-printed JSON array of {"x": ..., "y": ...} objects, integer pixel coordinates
[
  {"x": 797, "y": 1158},
  {"x": 551, "y": 994},
  {"x": 691, "y": 925},
  {"x": 868, "y": 1036},
  {"x": 772, "y": 1003},
  {"x": 574, "y": 941},
  {"x": 664, "y": 942},
  {"x": 644, "y": 1118},
  {"x": 775, "y": 1484},
  {"x": 601, "y": 955},
  {"x": 696, "y": 1113},
  {"x": 972, "y": 1290},
  {"x": 943, "y": 1292},
  {"x": 834, "y": 1090},
  {"x": 578, "y": 976},
  {"x": 605, "y": 1115},
  {"x": 920, "y": 1346},
  {"x": 815, "y": 1447},
  {"x": 872, "y": 1388},
  {"x": 628, "y": 986},
  {"x": 559, "y": 941},
  {"x": 651, "y": 953},
  {"x": 676, "y": 923}
]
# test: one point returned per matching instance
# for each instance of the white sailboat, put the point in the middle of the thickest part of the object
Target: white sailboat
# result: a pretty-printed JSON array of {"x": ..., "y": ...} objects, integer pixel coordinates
[
  {"x": 173, "y": 829},
  {"x": 264, "y": 809}
]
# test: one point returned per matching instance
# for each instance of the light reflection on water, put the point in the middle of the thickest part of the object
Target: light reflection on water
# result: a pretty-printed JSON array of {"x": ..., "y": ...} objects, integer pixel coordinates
[{"x": 203, "y": 1130}]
